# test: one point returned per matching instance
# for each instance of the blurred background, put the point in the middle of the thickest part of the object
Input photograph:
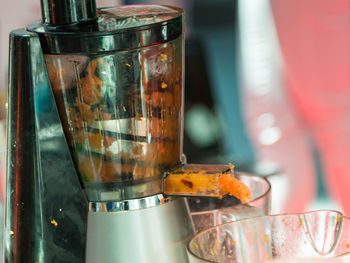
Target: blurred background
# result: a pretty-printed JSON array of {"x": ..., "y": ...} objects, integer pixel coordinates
[{"x": 267, "y": 88}]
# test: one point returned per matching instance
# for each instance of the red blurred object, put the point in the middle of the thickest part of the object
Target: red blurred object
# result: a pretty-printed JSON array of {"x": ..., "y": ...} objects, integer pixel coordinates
[{"x": 314, "y": 38}]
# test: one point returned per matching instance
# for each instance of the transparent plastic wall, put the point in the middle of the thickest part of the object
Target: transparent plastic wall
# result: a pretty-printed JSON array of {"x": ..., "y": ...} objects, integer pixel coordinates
[{"x": 121, "y": 111}]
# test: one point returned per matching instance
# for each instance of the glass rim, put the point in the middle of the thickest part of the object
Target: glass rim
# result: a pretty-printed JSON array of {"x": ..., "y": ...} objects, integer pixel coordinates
[
  {"x": 258, "y": 217},
  {"x": 254, "y": 178},
  {"x": 257, "y": 177},
  {"x": 346, "y": 254}
]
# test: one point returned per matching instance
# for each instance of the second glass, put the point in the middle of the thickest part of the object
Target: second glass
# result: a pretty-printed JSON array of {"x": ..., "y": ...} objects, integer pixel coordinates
[{"x": 318, "y": 234}]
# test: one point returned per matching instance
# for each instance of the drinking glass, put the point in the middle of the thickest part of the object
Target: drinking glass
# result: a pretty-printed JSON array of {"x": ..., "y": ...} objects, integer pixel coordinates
[
  {"x": 317, "y": 234},
  {"x": 207, "y": 212}
]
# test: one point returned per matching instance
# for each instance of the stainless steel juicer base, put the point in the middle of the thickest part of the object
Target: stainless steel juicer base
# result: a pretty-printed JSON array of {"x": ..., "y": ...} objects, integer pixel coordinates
[{"x": 146, "y": 230}]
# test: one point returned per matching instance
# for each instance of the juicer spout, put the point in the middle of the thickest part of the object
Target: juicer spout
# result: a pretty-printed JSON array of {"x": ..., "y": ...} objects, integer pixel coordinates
[{"x": 205, "y": 180}]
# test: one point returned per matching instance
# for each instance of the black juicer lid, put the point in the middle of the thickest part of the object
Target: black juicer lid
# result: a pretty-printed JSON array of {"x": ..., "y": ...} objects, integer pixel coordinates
[{"x": 116, "y": 29}]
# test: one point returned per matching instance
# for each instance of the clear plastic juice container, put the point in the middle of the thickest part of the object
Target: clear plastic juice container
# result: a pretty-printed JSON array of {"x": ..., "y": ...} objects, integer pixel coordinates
[{"x": 122, "y": 109}]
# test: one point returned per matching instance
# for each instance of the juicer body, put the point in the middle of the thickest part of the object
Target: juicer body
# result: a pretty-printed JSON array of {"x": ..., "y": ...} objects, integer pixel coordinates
[
  {"x": 46, "y": 208},
  {"x": 146, "y": 230}
]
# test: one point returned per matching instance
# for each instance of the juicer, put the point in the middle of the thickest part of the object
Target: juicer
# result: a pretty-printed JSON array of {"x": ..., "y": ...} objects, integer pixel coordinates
[{"x": 95, "y": 119}]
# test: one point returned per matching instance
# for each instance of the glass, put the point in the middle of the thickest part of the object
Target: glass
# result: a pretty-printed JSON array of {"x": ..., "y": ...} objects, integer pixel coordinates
[
  {"x": 122, "y": 111},
  {"x": 286, "y": 236},
  {"x": 207, "y": 212}
]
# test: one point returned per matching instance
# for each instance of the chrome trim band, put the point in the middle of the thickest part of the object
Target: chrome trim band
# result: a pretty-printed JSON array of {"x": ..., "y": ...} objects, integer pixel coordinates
[
  {"x": 128, "y": 205},
  {"x": 129, "y": 190}
]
